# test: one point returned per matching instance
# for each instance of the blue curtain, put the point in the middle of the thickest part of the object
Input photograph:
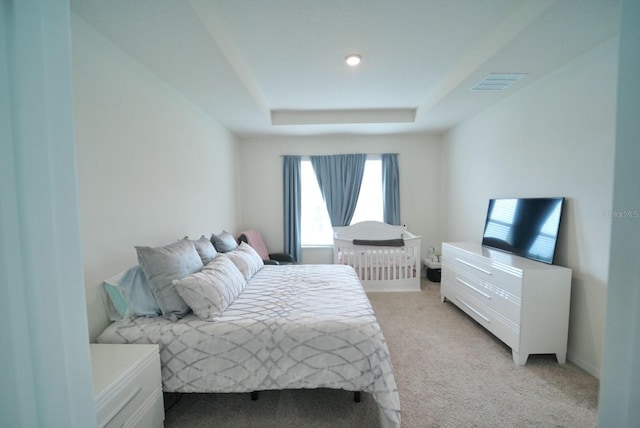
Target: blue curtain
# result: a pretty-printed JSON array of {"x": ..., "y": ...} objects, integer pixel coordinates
[
  {"x": 292, "y": 206},
  {"x": 339, "y": 178},
  {"x": 390, "y": 189}
]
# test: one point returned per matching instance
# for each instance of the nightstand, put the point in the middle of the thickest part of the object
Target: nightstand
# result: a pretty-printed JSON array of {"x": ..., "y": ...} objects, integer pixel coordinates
[{"x": 127, "y": 385}]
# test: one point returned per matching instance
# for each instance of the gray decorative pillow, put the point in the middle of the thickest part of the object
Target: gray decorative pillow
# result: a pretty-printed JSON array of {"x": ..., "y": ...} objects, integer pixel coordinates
[
  {"x": 224, "y": 242},
  {"x": 210, "y": 291},
  {"x": 205, "y": 249},
  {"x": 161, "y": 265},
  {"x": 246, "y": 260}
]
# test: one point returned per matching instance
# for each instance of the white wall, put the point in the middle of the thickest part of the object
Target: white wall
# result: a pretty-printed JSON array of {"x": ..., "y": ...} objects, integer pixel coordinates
[
  {"x": 553, "y": 138},
  {"x": 151, "y": 167},
  {"x": 419, "y": 164}
]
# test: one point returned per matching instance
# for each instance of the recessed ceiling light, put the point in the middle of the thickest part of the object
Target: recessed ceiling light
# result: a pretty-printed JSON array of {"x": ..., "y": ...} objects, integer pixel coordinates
[{"x": 353, "y": 59}]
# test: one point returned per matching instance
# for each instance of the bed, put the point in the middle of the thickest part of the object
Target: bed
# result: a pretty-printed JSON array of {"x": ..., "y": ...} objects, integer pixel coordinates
[
  {"x": 292, "y": 327},
  {"x": 385, "y": 257}
]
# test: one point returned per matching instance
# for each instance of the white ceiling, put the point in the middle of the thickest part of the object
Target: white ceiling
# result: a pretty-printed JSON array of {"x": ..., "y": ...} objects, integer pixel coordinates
[{"x": 265, "y": 67}]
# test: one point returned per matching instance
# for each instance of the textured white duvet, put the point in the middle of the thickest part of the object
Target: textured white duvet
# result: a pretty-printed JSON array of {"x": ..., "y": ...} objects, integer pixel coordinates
[{"x": 300, "y": 326}]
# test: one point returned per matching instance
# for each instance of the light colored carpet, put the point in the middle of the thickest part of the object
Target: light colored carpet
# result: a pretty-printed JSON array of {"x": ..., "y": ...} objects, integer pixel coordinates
[{"x": 450, "y": 373}]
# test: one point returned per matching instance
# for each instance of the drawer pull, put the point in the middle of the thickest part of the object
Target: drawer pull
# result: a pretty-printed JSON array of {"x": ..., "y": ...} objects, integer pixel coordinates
[
  {"x": 473, "y": 266},
  {"x": 122, "y": 405},
  {"x": 477, "y": 290},
  {"x": 474, "y": 311}
]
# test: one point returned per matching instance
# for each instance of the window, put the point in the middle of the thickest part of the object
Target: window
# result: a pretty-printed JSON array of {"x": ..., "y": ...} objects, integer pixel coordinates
[{"x": 315, "y": 225}]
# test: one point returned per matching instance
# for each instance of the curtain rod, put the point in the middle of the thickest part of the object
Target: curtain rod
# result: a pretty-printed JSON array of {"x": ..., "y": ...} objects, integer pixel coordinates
[{"x": 337, "y": 154}]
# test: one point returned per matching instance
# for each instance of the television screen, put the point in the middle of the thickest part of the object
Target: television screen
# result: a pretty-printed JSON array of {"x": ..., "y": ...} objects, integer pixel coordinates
[{"x": 526, "y": 227}]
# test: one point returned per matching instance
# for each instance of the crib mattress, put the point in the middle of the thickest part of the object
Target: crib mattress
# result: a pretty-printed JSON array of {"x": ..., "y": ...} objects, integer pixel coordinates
[{"x": 300, "y": 326}]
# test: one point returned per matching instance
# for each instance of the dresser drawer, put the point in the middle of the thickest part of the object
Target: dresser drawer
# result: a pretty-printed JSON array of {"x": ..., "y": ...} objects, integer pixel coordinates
[
  {"x": 127, "y": 385},
  {"x": 151, "y": 414},
  {"x": 503, "y": 277},
  {"x": 502, "y": 328},
  {"x": 498, "y": 299},
  {"x": 119, "y": 402}
]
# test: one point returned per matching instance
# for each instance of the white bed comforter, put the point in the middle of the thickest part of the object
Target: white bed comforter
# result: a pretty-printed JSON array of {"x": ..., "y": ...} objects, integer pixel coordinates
[{"x": 300, "y": 326}]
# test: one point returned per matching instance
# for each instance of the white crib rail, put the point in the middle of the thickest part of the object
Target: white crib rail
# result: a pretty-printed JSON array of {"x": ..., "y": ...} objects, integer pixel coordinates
[{"x": 380, "y": 268}]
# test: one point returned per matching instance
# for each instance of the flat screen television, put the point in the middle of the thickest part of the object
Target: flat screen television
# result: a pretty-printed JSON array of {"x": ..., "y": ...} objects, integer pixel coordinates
[{"x": 527, "y": 227}]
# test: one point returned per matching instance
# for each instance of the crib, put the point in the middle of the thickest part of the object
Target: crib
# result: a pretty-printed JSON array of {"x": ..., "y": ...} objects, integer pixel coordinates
[{"x": 385, "y": 257}]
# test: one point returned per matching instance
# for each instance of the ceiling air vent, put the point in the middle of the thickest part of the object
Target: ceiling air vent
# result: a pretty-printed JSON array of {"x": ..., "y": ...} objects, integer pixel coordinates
[{"x": 497, "y": 81}]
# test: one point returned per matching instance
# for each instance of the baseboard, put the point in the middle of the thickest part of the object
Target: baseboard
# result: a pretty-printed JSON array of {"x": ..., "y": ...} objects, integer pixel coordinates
[{"x": 587, "y": 367}]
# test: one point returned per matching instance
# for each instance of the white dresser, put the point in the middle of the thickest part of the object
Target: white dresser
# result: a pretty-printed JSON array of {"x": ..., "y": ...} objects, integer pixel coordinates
[
  {"x": 127, "y": 385},
  {"x": 522, "y": 302}
]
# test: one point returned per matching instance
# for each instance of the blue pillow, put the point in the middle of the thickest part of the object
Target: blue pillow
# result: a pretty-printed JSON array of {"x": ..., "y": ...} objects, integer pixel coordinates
[
  {"x": 161, "y": 265},
  {"x": 130, "y": 294},
  {"x": 116, "y": 305},
  {"x": 224, "y": 242},
  {"x": 205, "y": 249}
]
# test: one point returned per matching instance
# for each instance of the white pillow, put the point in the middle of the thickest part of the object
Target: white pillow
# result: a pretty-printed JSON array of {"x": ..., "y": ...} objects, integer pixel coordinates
[
  {"x": 210, "y": 291},
  {"x": 246, "y": 260}
]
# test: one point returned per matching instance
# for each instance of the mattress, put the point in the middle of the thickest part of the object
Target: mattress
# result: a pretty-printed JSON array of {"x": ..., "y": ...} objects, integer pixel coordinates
[{"x": 293, "y": 327}]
